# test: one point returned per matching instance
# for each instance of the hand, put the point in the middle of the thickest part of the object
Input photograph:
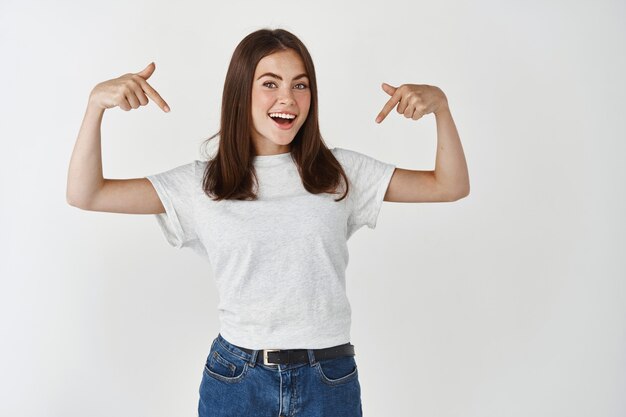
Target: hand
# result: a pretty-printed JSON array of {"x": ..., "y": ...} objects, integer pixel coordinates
[
  {"x": 413, "y": 100},
  {"x": 128, "y": 91}
]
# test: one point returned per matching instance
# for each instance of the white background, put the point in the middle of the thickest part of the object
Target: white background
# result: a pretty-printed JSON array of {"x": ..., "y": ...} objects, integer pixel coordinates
[{"x": 510, "y": 302}]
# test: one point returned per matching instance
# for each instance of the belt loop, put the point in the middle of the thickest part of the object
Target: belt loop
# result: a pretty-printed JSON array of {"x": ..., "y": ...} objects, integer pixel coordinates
[
  {"x": 311, "y": 357},
  {"x": 254, "y": 354}
]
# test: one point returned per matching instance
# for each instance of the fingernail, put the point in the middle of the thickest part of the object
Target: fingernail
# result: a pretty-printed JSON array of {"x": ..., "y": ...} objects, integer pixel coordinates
[
  {"x": 167, "y": 108},
  {"x": 378, "y": 119}
]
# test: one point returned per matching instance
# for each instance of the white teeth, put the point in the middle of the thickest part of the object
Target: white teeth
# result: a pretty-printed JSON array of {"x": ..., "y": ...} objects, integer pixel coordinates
[{"x": 283, "y": 115}]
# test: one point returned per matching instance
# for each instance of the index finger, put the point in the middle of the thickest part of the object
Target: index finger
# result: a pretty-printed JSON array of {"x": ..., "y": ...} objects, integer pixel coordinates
[
  {"x": 156, "y": 97},
  {"x": 391, "y": 103}
]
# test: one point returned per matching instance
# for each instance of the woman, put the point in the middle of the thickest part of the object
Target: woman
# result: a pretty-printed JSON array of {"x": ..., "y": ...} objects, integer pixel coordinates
[{"x": 272, "y": 211}]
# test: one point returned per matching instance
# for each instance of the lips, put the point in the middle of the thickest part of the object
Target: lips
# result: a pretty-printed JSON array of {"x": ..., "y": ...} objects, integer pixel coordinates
[
  {"x": 282, "y": 111},
  {"x": 283, "y": 124}
]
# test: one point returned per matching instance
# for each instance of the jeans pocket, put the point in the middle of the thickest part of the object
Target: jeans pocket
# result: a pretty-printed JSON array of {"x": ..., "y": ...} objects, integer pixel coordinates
[
  {"x": 337, "y": 371},
  {"x": 225, "y": 366}
]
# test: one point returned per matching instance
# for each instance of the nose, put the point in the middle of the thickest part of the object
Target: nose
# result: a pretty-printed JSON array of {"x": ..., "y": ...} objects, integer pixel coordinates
[{"x": 286, "y": 97}]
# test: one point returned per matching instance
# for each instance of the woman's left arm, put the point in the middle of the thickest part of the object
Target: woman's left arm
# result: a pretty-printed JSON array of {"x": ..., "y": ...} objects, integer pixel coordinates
[{"x": 450, "y": 179}]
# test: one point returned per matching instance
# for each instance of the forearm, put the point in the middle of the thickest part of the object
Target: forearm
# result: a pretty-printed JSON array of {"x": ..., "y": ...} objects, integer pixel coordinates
[
  {"x": 450, "y": 165},
  {"x": 85, "y": 171}
]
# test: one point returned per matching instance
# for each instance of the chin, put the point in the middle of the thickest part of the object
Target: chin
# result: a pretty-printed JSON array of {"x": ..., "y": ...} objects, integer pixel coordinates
[{"x": 283, "y": 142}]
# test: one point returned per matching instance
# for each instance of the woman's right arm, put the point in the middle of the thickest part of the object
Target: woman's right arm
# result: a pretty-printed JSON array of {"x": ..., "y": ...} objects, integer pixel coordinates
[{"x": 86, "y": 187}]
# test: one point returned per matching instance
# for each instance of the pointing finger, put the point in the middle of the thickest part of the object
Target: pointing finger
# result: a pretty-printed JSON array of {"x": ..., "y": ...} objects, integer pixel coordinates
[
  {"x": 151, "y": 92},
  {"x": 147, "y": 71},
  {"x": 389, "y": 89},
  {"x": 391, "y": 103}
]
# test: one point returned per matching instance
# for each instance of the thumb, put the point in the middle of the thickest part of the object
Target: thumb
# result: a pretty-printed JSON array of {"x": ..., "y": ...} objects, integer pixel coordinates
[
  {"x": 147, "y": 71},
  {"x": 389, "y": 89}
]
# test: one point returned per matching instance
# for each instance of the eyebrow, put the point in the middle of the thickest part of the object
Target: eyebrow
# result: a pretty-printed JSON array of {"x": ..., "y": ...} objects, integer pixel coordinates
[{"x": 271, "y": 74}]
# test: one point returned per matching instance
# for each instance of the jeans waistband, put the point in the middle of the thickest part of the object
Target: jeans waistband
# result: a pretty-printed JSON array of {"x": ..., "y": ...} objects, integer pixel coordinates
[{"x": 290, "y": 356}]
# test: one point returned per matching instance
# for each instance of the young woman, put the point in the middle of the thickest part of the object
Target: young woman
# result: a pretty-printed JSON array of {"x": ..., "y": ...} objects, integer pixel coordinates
[{"x": 271, "y": 211}]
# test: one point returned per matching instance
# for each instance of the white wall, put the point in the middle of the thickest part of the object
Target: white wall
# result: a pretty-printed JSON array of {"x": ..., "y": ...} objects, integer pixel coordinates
[{"x": 510, "y": 302}]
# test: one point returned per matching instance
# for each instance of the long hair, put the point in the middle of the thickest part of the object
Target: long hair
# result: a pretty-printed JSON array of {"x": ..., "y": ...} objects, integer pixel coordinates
[{"x": 230, "y": 174}]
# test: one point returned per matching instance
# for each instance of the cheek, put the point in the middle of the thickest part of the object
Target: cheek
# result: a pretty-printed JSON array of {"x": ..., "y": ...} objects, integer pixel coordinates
[
  {"x": 259, "y": 102},
  {"x": 304, "y": 103}
]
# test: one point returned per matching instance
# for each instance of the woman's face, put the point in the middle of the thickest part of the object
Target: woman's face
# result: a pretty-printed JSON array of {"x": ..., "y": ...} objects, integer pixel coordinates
[{"x": 280, "y": 85}]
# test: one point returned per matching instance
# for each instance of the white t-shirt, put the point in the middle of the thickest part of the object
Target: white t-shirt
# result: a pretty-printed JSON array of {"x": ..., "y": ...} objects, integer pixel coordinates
[{"x": 279, "y": 262}]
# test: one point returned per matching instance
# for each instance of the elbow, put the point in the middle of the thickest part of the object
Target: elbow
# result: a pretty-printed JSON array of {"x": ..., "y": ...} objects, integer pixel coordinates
[
  {"x": 465, "y": 192},
  {"x": 460, "y": 194},
  {"x": 74, "y": 202},
  {"x": 456, "y": 190},
  {"x": 75, "y": 198},
  {"x": 71, "y": 199}
]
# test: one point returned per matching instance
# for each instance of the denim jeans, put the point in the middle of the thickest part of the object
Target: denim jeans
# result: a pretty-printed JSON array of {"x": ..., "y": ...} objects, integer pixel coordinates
[{"x": 235, "y": 385}]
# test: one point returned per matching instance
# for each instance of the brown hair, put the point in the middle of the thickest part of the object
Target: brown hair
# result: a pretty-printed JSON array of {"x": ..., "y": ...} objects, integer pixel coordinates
[{"x": 229, "y": 175}]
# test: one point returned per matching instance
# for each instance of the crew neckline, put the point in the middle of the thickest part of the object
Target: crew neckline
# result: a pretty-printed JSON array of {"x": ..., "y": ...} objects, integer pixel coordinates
[{"x": 265, "y": 160}]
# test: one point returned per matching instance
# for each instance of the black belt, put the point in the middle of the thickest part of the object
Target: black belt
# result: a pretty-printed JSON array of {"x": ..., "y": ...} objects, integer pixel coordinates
[{"x": 287, "y": 356}]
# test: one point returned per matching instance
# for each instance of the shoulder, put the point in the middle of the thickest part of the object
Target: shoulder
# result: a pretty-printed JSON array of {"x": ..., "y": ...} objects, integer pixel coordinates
[
  {"x": 347, "y": 157},
  {"x": 199, "y": 166},
  {"x": 182, "y": 178},
  {"x": 354, "y": 160},
  {"x": 199, "y": 170},
  {"x": 343, "y": 153}
]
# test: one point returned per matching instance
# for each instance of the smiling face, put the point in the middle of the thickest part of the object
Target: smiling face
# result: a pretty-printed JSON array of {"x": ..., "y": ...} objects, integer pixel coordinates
[{"x": 280, "y": 88}]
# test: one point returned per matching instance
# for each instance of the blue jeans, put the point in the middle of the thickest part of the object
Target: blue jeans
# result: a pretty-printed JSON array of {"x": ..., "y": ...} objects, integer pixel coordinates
[{"x": 235, "y": 385}]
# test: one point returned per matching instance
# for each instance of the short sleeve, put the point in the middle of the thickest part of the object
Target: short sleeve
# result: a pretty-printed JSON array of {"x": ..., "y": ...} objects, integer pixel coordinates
[
  {"x": 369, "y": 179},
  {"x": 177, "y": 190}
]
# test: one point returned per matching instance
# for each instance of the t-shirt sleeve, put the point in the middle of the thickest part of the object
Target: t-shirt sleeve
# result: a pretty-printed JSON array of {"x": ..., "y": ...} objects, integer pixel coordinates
[
  {"x": 369, "y": 179},
  {"x": 177, "y": 190}
]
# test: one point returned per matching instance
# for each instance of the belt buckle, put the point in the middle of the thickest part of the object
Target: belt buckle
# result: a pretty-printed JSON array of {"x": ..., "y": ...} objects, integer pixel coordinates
[{"x": 265, "y": 352}]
